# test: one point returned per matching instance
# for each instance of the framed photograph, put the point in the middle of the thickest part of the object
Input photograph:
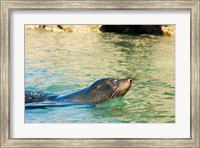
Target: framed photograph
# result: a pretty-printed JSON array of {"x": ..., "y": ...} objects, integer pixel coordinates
[{"x": 100, "y": 73}]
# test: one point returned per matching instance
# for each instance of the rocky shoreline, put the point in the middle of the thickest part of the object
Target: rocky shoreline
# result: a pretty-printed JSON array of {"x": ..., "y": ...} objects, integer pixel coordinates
[{"x": 166, "y": 30}]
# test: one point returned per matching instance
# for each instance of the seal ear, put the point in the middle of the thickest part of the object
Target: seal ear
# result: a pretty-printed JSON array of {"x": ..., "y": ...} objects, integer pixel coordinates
[{"x": 114, "y": 81}]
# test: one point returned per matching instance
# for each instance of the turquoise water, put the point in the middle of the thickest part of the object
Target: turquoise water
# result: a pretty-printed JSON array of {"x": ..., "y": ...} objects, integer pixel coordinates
[{"x": 60, "y": 63}]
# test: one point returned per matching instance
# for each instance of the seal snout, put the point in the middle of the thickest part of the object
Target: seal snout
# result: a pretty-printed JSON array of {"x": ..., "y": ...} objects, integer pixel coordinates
[{"x": 130, "y": 81}]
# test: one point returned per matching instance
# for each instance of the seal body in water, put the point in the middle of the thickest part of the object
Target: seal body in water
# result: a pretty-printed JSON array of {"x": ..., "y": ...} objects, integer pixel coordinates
[{"x": 101, "y": 90}]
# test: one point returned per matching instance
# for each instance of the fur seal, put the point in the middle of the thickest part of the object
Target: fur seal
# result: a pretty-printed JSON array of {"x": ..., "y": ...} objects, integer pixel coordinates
[{"x": 101, "y": 90}]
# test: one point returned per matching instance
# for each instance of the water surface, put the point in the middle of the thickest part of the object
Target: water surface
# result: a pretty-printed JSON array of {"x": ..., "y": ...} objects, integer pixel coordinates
[{"x": 62, "y": 63}]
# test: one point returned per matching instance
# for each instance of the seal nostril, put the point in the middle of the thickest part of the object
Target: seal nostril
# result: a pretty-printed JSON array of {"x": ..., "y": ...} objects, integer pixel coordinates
[{"x": 130, "y": 80}]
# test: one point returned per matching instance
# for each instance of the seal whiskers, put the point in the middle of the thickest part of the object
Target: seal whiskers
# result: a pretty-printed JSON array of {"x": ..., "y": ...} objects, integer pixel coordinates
[{"x": 113, "y": 95}]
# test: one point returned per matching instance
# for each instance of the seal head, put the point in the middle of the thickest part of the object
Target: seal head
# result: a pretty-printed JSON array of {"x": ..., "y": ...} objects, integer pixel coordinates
[{"x": 108, "y": 88}]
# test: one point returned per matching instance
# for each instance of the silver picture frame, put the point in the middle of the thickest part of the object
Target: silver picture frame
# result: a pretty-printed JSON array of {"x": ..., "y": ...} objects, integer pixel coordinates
[{"x": 194, "y": 8}]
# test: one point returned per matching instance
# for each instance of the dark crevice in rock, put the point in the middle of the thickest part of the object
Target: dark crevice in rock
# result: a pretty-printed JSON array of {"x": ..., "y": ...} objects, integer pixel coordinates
[{"x": 133, "y": 29}]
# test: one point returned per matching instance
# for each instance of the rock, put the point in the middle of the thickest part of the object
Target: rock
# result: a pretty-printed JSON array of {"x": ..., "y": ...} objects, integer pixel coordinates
[
  {"x": 31, "y": 26},
  {"x": 55, "y": 28},
  {"x": 121, "y": 29},
  {"x": 168, "y": 30}
]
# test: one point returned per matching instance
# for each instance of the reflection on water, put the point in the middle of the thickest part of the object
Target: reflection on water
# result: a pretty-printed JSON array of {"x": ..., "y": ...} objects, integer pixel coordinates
[{"x": 66, "y": 62}]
